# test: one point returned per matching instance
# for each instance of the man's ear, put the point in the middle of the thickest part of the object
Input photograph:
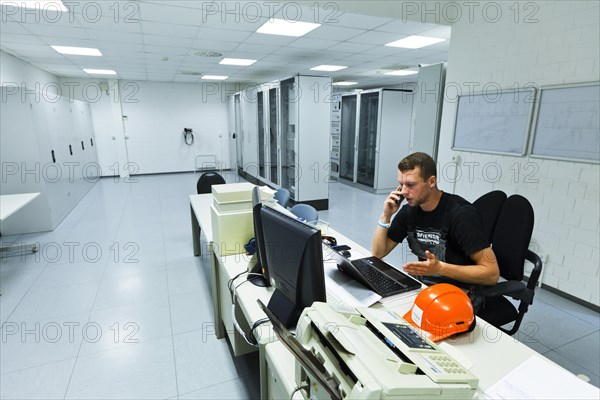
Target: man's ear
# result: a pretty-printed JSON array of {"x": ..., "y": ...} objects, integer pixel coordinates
[{"x": 432, "y": 181}]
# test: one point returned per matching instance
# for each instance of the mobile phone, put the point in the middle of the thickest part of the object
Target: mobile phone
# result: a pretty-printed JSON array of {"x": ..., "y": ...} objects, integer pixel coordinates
[
  {"x": 341, "y": 247},
  {"x": 399, "y": 200}
]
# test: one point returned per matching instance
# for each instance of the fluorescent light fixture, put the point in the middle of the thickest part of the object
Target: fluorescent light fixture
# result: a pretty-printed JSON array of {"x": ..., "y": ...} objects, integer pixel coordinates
[
  {"x": 100, "y": 71},
  {"x": 77, "y": 51},
  {"x": 402, "y": 72},
  {"x": 329, "y": 68},
  {"x": 345, "y": 83},
  {"x": 415, "y": 42},
  {"x": 237, "y": 61},
  {"x": 46, "y": 5},
  {"x": 287, "y": 28},
  {"x": 215, "y": 77}
]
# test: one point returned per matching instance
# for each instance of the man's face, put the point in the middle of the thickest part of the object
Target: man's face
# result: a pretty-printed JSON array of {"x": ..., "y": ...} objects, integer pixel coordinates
[{"x": 415, "y": 190}]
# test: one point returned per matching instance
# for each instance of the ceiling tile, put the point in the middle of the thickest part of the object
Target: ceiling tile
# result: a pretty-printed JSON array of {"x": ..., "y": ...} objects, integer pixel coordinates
[
  {"x": 101, "y": 36},
  {"x": 10, "y": 26},
  {"x": 156, "y": 40},
  {"x": 314, "y": 44},
  {"x": 16, "y": 38},
  {"x": 156, "y": 28},
  {"x": 169, "y": 14},
  {"x": 166, "y": 50},
  {"x": 213, "y": 45},
  {"x": 406, "y": 28},
  {"x": 334, "y": 32},
  {"x": 272, "y": 40},
  {"x": 358, "y": 21},
  {"x": 226, "y": 35},
  {"x": 375, "y": 38}
]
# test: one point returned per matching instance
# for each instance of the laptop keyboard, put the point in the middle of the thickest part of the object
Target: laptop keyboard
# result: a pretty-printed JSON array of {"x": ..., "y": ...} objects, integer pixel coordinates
[{"x": 384, "y": 284}]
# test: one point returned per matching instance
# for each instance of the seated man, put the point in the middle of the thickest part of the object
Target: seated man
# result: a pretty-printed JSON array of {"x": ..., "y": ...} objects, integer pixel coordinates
[{"x": 444, "y": 230}]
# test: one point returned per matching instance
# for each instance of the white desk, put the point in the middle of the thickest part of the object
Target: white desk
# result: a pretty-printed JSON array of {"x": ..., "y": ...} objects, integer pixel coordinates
[
  {"x": 201, "y": 223},
  {"x": 200, "y": 213},
  {"x": 491, "y": 352},
  {"x": 10, "y": 204}
]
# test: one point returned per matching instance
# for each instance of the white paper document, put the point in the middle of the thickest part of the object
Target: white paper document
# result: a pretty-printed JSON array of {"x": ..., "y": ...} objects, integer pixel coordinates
[
  {"x": 346, "y": 289},
  {"x": 537, "y": 378}
]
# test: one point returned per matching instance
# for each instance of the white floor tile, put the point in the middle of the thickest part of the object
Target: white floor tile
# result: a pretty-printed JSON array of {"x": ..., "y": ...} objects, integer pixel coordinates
[
  {"x": 69, "y": 274},
  {"x": 30, "y": 342},
  {"x": 45, "y": 382},
  {"x": 131, "y": 289},
  {"x": 57, "y": 301},
  {"x": 202, "y": 361},
  {"x": 143, "y": 371},
  {"x": 129, "y": 325},
  {"x": 191, "y": 311}
]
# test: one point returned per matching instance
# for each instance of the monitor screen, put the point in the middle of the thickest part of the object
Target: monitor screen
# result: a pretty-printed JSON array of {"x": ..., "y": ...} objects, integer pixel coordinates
[{"x": 294, "y": 254}]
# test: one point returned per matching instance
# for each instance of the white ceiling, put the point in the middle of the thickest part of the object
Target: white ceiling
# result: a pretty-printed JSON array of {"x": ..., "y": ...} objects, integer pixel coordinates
[{"x": 155, "y": 40}]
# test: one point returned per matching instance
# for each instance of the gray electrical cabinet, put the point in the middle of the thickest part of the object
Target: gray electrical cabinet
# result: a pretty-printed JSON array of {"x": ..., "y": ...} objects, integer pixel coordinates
[
  {"x": 375, "y": 135},
  {"x": 285, "y": 129}
]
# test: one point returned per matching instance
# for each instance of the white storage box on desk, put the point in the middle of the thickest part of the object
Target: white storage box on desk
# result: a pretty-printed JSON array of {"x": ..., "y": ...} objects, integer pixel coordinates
[{"x": 231, "y": 215}]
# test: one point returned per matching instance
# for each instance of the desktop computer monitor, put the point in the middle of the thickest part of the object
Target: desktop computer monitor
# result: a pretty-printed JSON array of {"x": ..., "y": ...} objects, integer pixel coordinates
[
  {"x": 259, "y": 274},
  {"x": 294, "y": 254}
]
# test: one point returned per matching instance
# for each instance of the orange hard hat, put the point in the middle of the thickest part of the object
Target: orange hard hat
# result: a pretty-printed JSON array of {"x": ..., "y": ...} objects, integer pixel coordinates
[{"x": 440, "y": 311}]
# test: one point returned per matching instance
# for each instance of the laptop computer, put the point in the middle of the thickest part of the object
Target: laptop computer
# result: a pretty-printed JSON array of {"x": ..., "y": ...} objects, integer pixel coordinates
[{"x": 377, "y": 275}]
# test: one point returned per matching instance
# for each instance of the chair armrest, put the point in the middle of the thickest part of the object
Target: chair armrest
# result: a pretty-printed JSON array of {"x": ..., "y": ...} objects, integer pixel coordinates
[
  {"x": 537, "y": 268},
  {"x": 507, "y": 288}
]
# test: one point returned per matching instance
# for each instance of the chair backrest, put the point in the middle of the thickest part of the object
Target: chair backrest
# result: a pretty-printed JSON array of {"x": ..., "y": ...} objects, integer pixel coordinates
[
  {"x": 512, "y": 236},
  {"x": 489, "y": 206},
  {"x": 305, "y": 211},
  {"x": 208, "y": 179},
  {"x": 282, "y": 196}
]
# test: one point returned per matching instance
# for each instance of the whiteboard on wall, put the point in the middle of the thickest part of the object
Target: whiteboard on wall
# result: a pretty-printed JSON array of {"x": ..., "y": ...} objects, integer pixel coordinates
[
  {"x": 568, "y": 123},
  {"x": 494, "y": 122}
]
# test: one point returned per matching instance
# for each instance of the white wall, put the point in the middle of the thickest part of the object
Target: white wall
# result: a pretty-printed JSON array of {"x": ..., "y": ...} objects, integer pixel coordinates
[
  {"x": 546, "y": 43},
  {"x": 156, "y": 114}
]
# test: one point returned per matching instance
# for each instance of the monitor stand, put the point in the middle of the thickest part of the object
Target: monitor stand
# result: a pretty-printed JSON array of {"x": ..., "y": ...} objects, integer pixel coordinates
[
  {"x": 284, "y": 309},
  {"x": 257, "y": 280}
]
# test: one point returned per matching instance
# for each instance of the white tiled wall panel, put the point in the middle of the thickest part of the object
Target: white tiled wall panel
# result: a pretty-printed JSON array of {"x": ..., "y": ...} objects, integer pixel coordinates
[{"x": 559, "y": 45}]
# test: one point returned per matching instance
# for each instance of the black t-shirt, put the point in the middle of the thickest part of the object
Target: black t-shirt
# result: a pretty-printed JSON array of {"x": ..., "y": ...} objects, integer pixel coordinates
[{"x": 452, "y": 231}]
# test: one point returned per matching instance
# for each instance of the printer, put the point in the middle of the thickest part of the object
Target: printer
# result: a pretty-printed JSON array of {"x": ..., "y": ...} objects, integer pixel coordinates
[{"x": 374, "y": 355}]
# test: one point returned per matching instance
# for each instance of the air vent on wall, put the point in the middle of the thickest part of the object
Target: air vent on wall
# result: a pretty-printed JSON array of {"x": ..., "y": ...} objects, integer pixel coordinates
[
  {"x": 206, "y": 53},
  {"x": 190, "y": 73}
]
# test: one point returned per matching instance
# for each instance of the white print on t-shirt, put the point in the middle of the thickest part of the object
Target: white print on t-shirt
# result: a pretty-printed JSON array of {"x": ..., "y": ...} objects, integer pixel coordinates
[{"x": 428, "y": 237}]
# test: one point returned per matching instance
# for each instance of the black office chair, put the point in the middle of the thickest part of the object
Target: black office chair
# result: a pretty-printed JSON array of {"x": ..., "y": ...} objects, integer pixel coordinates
[
  {"x": 208, "y": 179},
  {"x": 282, "y": 196},
  {"x": 510, "y": 242},
  {"x": 489, "y": 206},
  {"x": 305, "y": 211}
]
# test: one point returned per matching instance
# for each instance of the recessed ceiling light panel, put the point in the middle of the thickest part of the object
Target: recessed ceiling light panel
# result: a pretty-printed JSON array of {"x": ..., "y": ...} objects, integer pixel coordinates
[
  {"x": 415, "y": 42},
  {"x": 284, "y": 27},
  {"x": 100, "y": 71},
  {"x": 329, "y": 68},
  {"x": 237, "y": 61},
  {"x": 345, "y": 83},
  {"x": 403, "y": 72},
  {"x": 215, "y": 77},
  {"x": 77, "y": 51}
]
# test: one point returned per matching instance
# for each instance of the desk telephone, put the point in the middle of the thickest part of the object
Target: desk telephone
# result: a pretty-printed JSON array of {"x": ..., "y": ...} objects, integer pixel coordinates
[{"x": 377, "y": 355}]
